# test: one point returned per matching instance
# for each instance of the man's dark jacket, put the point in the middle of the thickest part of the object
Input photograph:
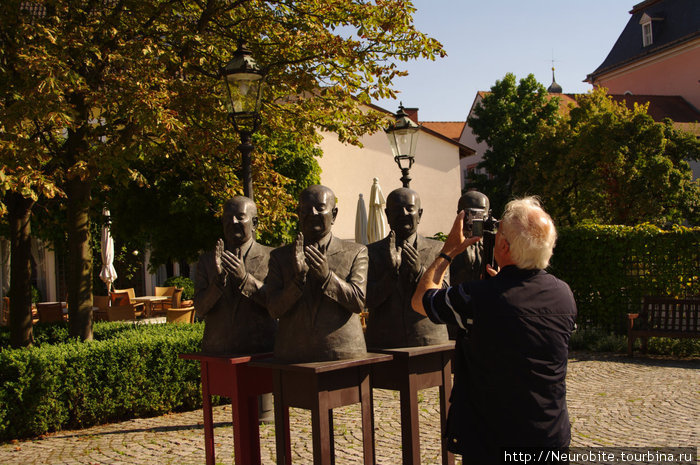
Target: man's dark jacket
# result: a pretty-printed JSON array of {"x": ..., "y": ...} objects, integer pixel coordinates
[{"x": 509, "y": 388}]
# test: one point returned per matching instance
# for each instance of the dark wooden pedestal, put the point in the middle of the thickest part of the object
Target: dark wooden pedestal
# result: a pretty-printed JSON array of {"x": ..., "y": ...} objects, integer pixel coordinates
[
  {"x": 234, "y": 378},
  {"x": 410, "y": 370},
  {"x": 321, "y": 387}
]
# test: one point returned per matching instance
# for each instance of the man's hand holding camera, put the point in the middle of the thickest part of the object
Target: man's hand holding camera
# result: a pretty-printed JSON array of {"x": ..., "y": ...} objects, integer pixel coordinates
[{"x": 456, "y": 243}]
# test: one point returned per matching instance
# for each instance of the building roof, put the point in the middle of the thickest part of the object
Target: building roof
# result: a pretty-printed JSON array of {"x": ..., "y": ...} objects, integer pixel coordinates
[
  {"x": 442, "y": 130},
  {"x": 673, "y": 21},
  {"x": 663, "y": 106},
  {"x": 682, "y": 113},
  {"x": 451, "y": 129}
]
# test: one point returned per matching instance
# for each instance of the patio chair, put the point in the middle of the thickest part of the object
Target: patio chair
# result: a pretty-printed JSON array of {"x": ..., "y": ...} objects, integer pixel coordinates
[
  {"x": 50, "y": 312},
  {"x": 100, "y": 303},
  {"x": 180, "y": 315},
  {"x": 125, "y": 297},
  {"x": 122, "y": 313},
  {"x": 166, "y": 292}
]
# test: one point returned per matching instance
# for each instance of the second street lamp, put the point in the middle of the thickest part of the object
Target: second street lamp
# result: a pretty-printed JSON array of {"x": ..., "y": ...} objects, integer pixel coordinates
[
  {"x": 403, "y": 136},
  {"x": 244, "y": 81}
]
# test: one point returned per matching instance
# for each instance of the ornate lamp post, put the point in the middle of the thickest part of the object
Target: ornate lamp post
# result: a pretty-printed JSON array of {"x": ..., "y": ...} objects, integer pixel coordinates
[
  {"x": 403, "y": 136},
  {"x": 244, "y": 81}
]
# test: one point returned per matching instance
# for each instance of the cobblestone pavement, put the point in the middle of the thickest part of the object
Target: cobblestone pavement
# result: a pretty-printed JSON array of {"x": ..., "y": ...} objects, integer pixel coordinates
[{"x": 613, "y": 401}]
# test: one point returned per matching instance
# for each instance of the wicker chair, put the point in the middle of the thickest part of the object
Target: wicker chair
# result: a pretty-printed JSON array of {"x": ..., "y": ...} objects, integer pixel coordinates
[
  {"x": 122, "y": 313},
  {"x": 125, "y": 297},
  {"x": 50, "y": 312},
  {"x": 166, "y": 292},
  {"x": 100, "y": 303},
  {"x": 180, "y": 315}
]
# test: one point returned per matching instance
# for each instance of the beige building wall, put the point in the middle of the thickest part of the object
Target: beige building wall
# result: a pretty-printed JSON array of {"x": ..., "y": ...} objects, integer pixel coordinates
[{"x": 349, "y": 171}]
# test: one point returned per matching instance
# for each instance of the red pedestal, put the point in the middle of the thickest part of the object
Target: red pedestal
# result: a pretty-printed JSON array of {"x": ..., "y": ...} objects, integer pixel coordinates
[
  {"x": 234, "y": 378},
  {"x": 320, "y": 387},
  {"x": 410, "y": 370}
]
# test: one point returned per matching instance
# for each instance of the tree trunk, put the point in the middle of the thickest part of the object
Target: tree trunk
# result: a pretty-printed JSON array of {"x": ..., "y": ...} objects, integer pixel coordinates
[
  {"x": 79, "y": 259},
  {"x": 19, "y": 214}
]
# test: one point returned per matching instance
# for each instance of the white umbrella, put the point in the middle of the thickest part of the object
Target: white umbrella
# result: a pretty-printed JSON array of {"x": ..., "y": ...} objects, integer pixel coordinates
[
  {"x": 108, "y": 273},
  {"x": 361, "y": 222},
  {"x": 376, "y": 229}
]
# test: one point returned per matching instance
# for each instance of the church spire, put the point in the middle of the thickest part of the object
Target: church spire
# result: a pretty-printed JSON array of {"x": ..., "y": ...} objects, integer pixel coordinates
[{"x": 554, "y": 88}]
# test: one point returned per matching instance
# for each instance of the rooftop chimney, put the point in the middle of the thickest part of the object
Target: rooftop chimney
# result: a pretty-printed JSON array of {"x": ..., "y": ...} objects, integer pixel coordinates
[{"x": 412, "y": 113}]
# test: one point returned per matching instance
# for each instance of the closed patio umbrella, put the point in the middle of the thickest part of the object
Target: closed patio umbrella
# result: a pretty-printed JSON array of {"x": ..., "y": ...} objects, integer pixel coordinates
[
  {"x": 361, "y": 222},
  {"x": 108, "y": 273},
  {"x": 376, "y": 224}
]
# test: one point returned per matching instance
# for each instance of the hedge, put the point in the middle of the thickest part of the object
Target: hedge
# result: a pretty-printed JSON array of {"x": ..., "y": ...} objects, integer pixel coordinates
[
  {"x": 611, "y": 268},
  {"x": 128, "y": 371}
]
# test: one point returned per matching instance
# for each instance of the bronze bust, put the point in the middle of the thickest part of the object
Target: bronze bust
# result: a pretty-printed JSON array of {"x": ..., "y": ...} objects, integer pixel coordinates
[
  {"x": 467, "y": 265},
  {"x": 316, "y": 287},
  {"x": 228, "y": 286},
  {"x": 396, "y": 264}
]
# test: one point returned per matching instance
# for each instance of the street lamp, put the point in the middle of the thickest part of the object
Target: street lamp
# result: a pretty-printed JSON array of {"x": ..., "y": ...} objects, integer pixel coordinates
[
  {"x": 403, "y": 136},
  {"x": 244, "y": 81}
]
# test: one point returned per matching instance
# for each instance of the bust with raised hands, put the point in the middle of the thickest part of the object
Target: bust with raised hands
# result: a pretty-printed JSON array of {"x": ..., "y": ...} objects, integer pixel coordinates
[
  {"x": 316, "y": 287},
  {"x": 228, "y": 286},
  {"x": 396, "y": 264}
]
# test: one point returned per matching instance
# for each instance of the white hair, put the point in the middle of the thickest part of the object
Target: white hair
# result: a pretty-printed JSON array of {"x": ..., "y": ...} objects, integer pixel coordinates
[{"x": 530, "y": 233}]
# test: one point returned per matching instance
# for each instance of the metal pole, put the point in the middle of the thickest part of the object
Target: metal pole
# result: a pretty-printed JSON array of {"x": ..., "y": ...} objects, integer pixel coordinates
[
  {"x": 246, "y": 149},
  {"x": 405, "y": 178}
]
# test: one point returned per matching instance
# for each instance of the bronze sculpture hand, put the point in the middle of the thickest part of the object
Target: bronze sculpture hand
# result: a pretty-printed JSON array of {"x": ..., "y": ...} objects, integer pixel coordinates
[
  {"x": 234, "y": 266},
  {"x": 394, "y": 253},
  {"x": 218, "y": 252},
  {"x": 410, "y": 261},
  {"x": 300, "y": 266},
  {"x": 317, "y": 262}
]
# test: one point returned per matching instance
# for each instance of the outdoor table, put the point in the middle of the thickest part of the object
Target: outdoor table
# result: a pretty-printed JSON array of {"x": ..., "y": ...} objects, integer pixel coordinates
[
  {"x": 320, "y": 387},
  {"x": 149, "y": 300},
  {"x": 234, "y": 378},
  {"x": 410, "y": 370}
]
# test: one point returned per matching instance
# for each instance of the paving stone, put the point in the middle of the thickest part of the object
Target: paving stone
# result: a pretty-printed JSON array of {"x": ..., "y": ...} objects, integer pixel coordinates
[{"x": 613, "y": 401}]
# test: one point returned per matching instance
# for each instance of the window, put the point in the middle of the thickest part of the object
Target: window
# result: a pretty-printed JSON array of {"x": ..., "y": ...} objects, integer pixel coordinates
[{"x": 647, "y": 38}]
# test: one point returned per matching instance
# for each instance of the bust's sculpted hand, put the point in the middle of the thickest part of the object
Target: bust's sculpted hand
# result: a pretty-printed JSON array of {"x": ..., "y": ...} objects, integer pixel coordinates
[
  {"x": 394, "y": 253},
  {"x": 410, "y": 262},
  {"x": 234, "y": 265},
  {"x": 300, "y": 266},
  {"x": 218, "y": 253},
  {"x": 318, "y": 264}
]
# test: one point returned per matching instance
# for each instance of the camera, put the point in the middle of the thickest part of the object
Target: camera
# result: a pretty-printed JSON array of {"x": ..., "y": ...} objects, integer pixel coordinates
[
  {"x": 479, "y": 225},
  {"x": 477, "y": 221}
]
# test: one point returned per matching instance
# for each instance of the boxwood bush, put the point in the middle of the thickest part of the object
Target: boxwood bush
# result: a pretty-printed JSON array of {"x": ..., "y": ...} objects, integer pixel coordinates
[
  {"x": 611, "y": 268},
  {"x": 128, "y": 371}
]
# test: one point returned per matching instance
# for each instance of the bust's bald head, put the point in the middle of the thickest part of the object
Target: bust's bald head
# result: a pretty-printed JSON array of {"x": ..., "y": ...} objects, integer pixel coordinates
[
  {"x": 317, "y": 212},
  {"x": 403, "y": 212},
  {"x": 240, "y": 220}
]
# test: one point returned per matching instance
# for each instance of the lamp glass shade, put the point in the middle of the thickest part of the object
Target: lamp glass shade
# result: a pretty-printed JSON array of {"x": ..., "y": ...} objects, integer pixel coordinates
[
  {"x": 244, "y": 92},
  {"x": 244, "y": 80},
  {"x": 403, "y": 141}
]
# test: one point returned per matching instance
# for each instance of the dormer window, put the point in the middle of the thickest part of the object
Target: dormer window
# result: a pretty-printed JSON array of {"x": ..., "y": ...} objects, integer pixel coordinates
[
  {"x": 647, "y": 30},
  {"x": 647, "y": 37}
]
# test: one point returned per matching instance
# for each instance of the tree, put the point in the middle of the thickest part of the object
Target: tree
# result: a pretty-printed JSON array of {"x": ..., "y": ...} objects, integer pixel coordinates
[
  {"x": 610, "y": 164},
  {"x": 91, "y": 90},
  {"x": 507, "y": 119}
]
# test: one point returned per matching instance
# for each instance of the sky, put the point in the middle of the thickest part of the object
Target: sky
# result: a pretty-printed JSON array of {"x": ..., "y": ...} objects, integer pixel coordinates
[{"x": 485, "y": 39}]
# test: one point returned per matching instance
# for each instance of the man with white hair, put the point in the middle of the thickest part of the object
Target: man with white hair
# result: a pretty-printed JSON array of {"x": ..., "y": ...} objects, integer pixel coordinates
[{"x": 511, "y": 395}]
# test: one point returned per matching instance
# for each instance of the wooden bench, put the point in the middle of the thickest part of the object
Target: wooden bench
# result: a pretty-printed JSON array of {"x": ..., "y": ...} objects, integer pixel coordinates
[{"x": 664, "y": 317}]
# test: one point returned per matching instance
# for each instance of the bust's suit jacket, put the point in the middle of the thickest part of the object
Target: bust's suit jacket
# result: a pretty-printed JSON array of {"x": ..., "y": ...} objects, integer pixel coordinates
[
  {"x": 319, "y": 321},
  {"x": 392, "y": 321},
  {"x": 236, "y": 320}
]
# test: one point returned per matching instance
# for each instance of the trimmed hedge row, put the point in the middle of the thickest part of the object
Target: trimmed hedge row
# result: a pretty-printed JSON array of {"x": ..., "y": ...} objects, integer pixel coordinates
[
  {"x": 611, "y": 268},
  {"x": 128, "y": 371}
]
